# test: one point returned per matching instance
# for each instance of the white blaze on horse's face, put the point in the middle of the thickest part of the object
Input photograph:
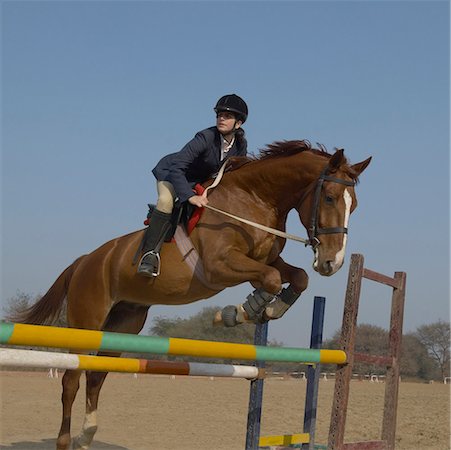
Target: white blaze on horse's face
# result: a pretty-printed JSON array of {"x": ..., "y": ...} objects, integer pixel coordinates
[
  {"x": 340, "y": 256},
  {"x": 337, "y": 262}
]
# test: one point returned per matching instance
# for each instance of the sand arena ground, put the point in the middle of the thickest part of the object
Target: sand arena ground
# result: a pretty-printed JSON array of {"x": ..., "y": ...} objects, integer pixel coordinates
[{"x": 160, "y": 413}]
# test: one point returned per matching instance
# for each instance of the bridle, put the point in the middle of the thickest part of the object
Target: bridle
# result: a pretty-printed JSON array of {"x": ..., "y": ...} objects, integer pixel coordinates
[{"x": 314, "y": 229}]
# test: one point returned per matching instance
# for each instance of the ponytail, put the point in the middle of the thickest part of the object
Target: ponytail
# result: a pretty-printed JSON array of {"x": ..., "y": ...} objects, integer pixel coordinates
[{"x": 240, "y": 136}]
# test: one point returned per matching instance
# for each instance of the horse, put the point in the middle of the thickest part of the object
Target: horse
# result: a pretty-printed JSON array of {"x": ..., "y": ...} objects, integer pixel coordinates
[{"x": 104, "y": 292}]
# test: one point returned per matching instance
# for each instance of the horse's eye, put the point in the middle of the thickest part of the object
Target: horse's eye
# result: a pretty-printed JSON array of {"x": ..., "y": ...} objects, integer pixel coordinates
[{"x": 329, "y": 200}]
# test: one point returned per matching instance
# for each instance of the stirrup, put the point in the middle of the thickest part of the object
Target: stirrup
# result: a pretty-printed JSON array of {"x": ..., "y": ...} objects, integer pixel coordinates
[{"x": 149, "y": 265}]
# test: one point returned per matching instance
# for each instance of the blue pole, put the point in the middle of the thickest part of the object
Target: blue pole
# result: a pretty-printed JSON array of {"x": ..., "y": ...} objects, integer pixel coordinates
[
  {"x": 256, "y": 394},
  {"x": 313, "y": 372}
]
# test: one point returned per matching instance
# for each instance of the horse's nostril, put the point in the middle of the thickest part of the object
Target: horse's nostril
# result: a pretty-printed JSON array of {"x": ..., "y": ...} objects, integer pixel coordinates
[{"x": 327, "y": 266}]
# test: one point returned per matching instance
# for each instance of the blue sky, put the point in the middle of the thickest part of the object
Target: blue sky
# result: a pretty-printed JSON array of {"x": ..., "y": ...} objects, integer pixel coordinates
[{"x": 95, "y": 93}]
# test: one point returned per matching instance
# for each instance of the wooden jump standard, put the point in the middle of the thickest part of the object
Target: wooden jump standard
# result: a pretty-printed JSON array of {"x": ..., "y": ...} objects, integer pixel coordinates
[{"x": 343, "y": 375}]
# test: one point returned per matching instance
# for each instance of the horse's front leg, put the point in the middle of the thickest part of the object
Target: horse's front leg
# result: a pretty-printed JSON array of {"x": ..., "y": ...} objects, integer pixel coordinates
[
  {"x": 236, "y": 268},
  {"x": 269, "y": 301},
  {"x": 298, "y": 280}
]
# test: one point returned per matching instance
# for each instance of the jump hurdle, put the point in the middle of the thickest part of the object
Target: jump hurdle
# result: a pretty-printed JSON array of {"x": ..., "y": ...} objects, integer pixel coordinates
[{"x": 44, "y": 336}]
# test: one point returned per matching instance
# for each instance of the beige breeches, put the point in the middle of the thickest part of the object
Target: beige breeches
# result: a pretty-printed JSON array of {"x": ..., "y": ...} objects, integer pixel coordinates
[{"x": 166, "y": 196}]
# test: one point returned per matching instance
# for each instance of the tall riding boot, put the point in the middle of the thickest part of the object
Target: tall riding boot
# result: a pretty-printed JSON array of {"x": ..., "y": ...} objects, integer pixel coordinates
[{"x": 154, "y": 237}]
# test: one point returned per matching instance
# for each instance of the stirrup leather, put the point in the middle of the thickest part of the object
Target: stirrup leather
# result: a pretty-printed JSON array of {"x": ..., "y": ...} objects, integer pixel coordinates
[{"x": 150, "y": 264}]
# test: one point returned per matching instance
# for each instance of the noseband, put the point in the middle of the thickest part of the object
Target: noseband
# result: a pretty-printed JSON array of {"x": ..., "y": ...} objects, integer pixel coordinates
[{"x": 314, "y": 230}]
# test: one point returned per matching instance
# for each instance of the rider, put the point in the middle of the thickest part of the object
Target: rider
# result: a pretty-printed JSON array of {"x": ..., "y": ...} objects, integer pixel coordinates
[{"x": 196, "y": 162}]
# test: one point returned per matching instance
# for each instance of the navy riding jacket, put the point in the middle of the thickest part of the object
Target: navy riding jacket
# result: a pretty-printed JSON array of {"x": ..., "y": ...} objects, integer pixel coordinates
[{"x": 196, "y": 162}]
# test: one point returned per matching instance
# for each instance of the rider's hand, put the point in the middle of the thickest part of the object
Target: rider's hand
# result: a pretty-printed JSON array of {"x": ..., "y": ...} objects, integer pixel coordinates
[{"x": 198, "y": 200}]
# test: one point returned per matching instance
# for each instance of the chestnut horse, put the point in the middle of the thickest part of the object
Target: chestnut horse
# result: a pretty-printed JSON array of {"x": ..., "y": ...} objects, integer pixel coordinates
[{"x": 104, "y": 292}]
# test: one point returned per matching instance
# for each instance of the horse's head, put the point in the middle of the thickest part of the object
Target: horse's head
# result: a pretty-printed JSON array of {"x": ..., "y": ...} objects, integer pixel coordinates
[{"x": 325, "y": 211}]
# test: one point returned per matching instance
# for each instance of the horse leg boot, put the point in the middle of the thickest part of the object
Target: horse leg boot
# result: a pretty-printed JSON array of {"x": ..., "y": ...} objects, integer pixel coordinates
[
  {"x": 281, "y": 303},
  {"x": 155, "y": 234},
  {"x": 250, "y": 311}
]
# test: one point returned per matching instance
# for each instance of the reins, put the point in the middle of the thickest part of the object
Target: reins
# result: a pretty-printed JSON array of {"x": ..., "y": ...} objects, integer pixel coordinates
[{"x": 279, "y": 233}]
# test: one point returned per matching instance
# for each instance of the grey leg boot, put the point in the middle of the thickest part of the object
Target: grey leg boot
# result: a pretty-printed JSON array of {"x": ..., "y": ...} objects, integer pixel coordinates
[{"x": 159, "y": 225}]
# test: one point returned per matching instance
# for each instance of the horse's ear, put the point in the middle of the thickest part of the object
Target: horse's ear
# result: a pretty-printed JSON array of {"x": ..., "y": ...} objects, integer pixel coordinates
[
  {"x": 361, "y": 166},
  {"x": 336, "y": 160}
]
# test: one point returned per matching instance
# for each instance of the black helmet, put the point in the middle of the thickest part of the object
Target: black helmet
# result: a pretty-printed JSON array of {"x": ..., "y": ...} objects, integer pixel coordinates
[{"x": 234, "y": 104}]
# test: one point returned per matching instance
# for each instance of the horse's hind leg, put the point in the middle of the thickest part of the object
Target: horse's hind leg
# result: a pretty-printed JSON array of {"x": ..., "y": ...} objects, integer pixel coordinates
[
  {"x": 124, "y": 318},
  {"x": 71, "y": 383},
  {"x": 87, "y": 283}
]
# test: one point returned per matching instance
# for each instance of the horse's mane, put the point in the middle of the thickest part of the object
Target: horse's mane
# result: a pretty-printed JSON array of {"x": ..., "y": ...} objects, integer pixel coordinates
[
  {"x": 288, "y": 148},
  {"x": 283, "y": 149},
  {"x": 277, "y": 150}
]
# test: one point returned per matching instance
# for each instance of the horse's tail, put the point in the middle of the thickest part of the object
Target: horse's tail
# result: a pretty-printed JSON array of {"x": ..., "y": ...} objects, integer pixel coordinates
[{"x": 47, "y": 309}]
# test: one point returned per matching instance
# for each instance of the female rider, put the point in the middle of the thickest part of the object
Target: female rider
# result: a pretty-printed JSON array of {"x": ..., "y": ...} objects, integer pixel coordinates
[{"x": 196, "y": 162}]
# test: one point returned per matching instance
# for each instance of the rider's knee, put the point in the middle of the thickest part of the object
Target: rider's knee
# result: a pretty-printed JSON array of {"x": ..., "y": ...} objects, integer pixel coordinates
[{"x": 166, "y": 196}]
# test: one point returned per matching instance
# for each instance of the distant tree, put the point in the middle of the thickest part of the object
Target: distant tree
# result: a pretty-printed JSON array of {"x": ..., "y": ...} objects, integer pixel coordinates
[
  {"x": 415, "y": 360},
  {"x": 436, "y": 339},
  {"x": 370, "y": 339}
]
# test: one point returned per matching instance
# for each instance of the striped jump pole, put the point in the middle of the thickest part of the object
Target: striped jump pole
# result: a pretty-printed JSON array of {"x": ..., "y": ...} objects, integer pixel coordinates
[
  {"x": 75, "y": 339},
  {"x": 47, "y": 360}
]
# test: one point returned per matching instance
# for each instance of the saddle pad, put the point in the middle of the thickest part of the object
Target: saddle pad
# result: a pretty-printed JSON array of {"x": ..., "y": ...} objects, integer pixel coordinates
[
  {"x": 197, "y": 214},
  {"x": 191, "y": 257}
]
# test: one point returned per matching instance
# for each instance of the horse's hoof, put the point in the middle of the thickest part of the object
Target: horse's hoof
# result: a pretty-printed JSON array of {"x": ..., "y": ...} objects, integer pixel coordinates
[
  {"x": 226, "y": 317},
  {"x": 84, "y": 439},
  {"x": 63, "y": 442},
  {"x": 83, "y": 442},
  {"x": 231, "y": 316}
]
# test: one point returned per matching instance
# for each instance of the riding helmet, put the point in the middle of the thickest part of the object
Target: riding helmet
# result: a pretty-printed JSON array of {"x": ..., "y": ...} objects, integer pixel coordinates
[{"x": 234, "y": 104}]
